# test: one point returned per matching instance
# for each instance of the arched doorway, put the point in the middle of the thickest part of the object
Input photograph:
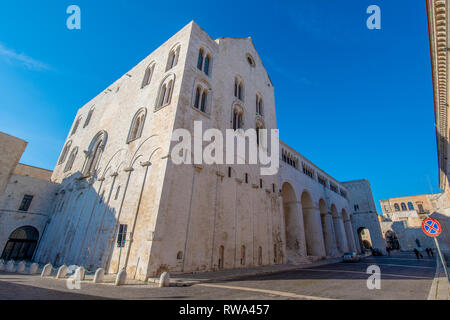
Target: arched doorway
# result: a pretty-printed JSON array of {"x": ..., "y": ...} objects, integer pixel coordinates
[
  {"x": 338, "y": 229},
  {"x": 327, "y": 228},
  {"x": 392, "y": 240},
  {"x": 21, "y": 244},
  {"x": 313, "y": 229},
  {"x": 365, "y": 241},
  {"x": 293, "y": 228},
  {"x": 348, "y": 231}
]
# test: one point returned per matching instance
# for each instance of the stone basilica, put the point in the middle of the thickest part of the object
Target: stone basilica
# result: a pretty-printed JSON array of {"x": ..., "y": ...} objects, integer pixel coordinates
[{"x": 115, "y": 199}]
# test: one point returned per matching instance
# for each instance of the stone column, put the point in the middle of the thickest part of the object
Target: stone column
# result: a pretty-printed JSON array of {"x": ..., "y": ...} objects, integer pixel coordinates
[
  {"x": 350, "y": 237},
  {"x": 328, "y": 234},
  {"x": 341, "y": 238},
  {"x": 313, "y": 232},
  {"x": 295, "y": 230}
]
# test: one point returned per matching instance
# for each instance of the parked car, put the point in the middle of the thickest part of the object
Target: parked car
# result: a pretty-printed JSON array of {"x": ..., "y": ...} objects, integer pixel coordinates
[{"x": 351, "y": 257}]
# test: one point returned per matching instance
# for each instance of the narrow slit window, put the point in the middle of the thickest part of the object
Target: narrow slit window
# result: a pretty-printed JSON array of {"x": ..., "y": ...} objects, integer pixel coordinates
[
  {"x": 26, "y": 202},
  {"x": 122, "y": 236}
]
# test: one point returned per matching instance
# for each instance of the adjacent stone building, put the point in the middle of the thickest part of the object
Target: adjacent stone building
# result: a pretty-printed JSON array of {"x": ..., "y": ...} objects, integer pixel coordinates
[
  {"x": 25, "y": 201},
  {"x": 401, "y": 222}
]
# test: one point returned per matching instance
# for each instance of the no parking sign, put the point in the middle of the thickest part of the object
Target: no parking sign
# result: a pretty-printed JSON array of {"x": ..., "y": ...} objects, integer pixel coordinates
[{"x": 431, "y": 227}]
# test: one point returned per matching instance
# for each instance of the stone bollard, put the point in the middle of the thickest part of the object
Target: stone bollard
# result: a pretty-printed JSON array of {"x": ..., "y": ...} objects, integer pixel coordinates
[
  {"x": 164, "y": 280},
  {"x": 81, "y": 272},
  {"x": 21, "y": 267},
  {"x": 71, "y": 269},
  {"x": 62, "y": 272},
  {"x": 99, "y": 275},
  {"x": 121, "y": 277},
  {"x": 2, "y": 265},
  {"x": 47, "y": 271},
  {"x": 33, "y": 268},
  {"x": 10, "y": 266}
]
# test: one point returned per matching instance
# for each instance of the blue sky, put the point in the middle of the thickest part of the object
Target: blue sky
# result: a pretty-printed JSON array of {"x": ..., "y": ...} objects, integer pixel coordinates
[{"x": 357, "y": 102}]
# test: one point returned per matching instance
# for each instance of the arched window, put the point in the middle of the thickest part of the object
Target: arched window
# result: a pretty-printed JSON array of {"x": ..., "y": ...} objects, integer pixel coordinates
[
  {"x": 173, "y": 57},
  {"x": 21, "y": 244},
  {"x": 71, "y": 159},
  {"x": 200, "y": 59},
  {"x": 75, "y": 126},
  {"x": 259, "y": 126},
  {"x": 207, "y": 64},
  {"x": 65, "y": 151},
  {"x": 410, "y": 206},
  {"x": 259, "y": 105},
  {"x": 238, "y": 118},
  {"x": 204, "y": 61},
  {"x": 94, "y": 153},
  {"x": 198, "y": 93},
  {"x": 239, "y": 88},
  {"x": 420, "y": 206},
  {"x": 396, "y": 207},
  {"x": 137, "y": 124},
  {"x": 250, "y": 60},
  {"x": 88, "y": 118},
  {"x": 165, "y": 91},
  {"x": 148, "y": 75},
  {"x": 403, "y": 206},
  {"x": 201, "y": 98}
]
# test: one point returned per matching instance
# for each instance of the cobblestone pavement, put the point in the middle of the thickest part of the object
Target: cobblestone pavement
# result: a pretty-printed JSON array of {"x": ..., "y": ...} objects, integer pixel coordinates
[{"x": 402, "y": 277}]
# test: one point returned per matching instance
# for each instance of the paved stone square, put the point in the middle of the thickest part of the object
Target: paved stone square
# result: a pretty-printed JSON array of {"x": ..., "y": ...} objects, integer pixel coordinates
[{"x": 402, "y": 277}]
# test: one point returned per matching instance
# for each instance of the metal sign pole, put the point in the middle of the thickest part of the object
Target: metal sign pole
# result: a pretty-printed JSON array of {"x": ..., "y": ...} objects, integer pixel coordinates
[
  {"x": 439, "y": 252},
  {"x": 440, "y": 255}
]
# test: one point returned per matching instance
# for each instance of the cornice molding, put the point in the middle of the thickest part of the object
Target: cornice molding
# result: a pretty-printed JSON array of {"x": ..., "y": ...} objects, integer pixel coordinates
[{"x": 438, "y": 20}]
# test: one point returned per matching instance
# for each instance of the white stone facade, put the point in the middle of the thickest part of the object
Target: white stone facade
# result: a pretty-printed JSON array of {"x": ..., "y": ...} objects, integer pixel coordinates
[{"x": 123, "y": 204}]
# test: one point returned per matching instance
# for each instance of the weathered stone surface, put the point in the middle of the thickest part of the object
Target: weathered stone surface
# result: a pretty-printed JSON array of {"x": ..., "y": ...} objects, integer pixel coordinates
[
  {"x": 2, "y": 265},
  {"x": 121, "y": 278},
  {"x": 21, "y": 267},
  {"x": 47, "y": 270},
  {"x": 164, "y": 280},
  {"x": 10, "y": 266},
  {"x": 82, "y": 272},
  {"x": 62, "y": 272},
  {"x": 33, "y": 268},
  {"x": 99, "y": 275}
]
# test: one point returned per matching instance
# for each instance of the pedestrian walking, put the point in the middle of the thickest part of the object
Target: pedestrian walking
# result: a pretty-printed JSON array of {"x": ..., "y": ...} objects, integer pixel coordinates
[
  {"x": 417, "y": 253},
  {"x": 428, "y": 252},
  {"x": 431, "y": 251}
]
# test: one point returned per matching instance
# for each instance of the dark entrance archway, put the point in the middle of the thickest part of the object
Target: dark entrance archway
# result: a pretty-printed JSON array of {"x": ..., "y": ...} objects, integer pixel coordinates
[
  {"x": 365, "y": 241},
  {"x": 392, "y": 240},
  {"x": 21, "y": 244}
]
